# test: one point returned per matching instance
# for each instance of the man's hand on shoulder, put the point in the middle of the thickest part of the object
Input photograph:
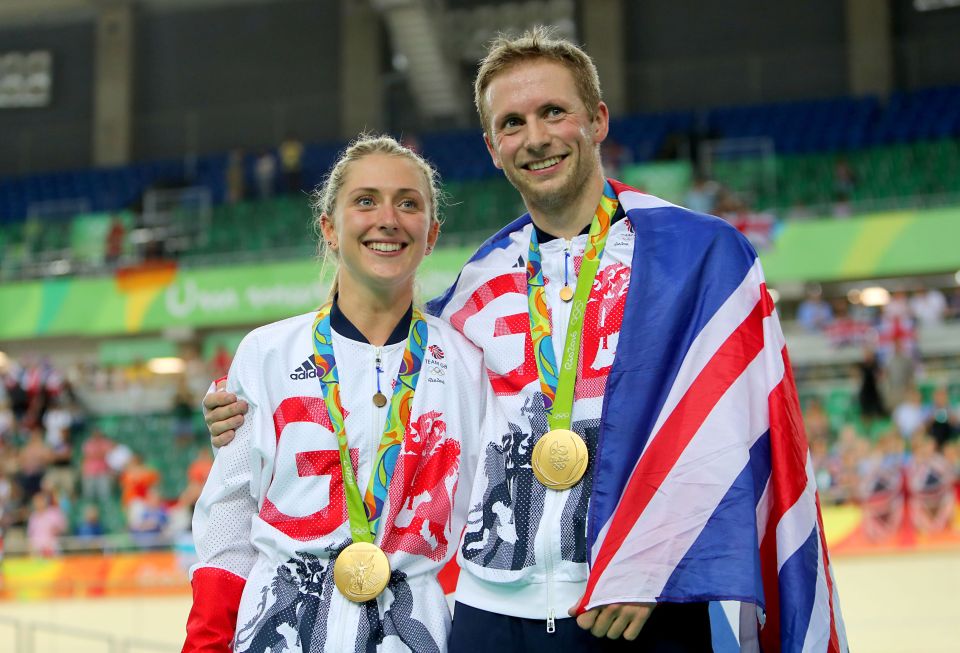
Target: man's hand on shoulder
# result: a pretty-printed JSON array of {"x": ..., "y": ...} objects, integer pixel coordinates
[
  {"x": 615, "y": 620},
  {"x": 223, "y": 414}
]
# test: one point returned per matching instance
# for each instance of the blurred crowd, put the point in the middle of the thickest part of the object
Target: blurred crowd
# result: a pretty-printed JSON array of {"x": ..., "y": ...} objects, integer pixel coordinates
[{"x": 64, "y": 484}]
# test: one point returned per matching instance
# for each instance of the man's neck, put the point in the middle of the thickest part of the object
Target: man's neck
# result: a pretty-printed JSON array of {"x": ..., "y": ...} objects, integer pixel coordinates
[
  {"x": 374, "y": 314},
  {"x": 568, "y": 221}
]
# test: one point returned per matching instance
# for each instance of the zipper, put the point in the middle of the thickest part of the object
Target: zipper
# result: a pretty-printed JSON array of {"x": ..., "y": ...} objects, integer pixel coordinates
[
  {"x": 554, "y": 500},
  {"x": 378, "y": 419}
]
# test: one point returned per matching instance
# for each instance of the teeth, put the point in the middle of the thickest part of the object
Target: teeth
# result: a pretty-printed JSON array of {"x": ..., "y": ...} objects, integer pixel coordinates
[
  {"x": 385, "y": 247},
  {"x": 546, "y": 163}
]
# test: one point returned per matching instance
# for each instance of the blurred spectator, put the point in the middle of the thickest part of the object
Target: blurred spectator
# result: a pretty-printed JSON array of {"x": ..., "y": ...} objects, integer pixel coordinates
[
  {"x": 898, "y": 308},
  {"x": 8, "y": 422},
  {"x": 615, "y": 156},
  {"x": 56, "y": 419},
  {"x": 46, "y": 524},
  {"x": 900, "y": 371},
  {"x": 943, "y": 423},
  {"x": 148, "y": 519},
  {"x": 119, "y": 457},
  {"x": 236, "y": 178},
  {"x": 90, "y": 526},
  {"x": 136, "y": 481},
  {"x": 702, "y": 195},
  {"x": 183, "y": 411},
  {"x": 871, "y": 402},
  {"x": 910, "y": 416},
  {"x": 220, "y": 363},
  {"x": 96, "y": 480},
  {"x": 814, "y": 313},
  {"x": 34, "y": 458},
  {"x": 113, "y": 245},
  {"x": 196, "y": 476},
  {"x": 291, "y": 163},
  {"x": 953, "y": 304},
  {"x": 846, "y": 329},
  {"x": 929, "y": 307},
  {"x": 61, "y": 477},
  {"x": 930, "y": 479},
  {"x": 265, "y": 172},
  {"x": 816, "y": 421},
  {"x": 844, "y": 184}
]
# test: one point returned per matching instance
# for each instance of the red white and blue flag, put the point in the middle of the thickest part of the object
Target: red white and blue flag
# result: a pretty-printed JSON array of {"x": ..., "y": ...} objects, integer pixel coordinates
[{"x": 704, "y": 489}]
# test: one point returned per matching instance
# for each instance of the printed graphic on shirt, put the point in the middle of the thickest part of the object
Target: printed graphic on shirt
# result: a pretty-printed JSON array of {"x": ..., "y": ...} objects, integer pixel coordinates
[
  {"x": 422, "y": 491},
  {"x": 292, "y": 614},
  {"x": 397, "y": 621},
  {"x": 501, "y": 530},
  {"x": 306, "y": 370},
  {"x": 510, "y": 373}
]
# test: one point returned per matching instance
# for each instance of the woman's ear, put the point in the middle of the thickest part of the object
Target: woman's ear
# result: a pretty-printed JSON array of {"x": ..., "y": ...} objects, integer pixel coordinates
[{"x": 329, "y": 232}]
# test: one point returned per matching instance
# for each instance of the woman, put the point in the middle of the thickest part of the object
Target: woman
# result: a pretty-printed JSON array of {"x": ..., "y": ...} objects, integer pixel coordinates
[{"x": 323, "y": 525}]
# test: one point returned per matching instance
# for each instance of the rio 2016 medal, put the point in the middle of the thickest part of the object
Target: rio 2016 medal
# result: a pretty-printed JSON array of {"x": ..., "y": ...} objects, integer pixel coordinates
[
  {"x": 560, "y": 459},
  {"x": 361, "y": 572},
  {"x": 566, "y": 293},
  {"x": 379, "y": 400}
]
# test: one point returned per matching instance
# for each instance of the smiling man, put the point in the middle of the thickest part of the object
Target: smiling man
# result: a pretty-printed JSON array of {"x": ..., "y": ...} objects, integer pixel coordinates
[{"x": 614, "y": 324}]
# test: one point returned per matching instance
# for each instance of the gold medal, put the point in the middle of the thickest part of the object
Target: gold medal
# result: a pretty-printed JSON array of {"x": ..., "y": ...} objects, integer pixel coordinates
[
  {"x": 566, "y": 293},
  {"x": 560, "y": 459},
  {"x": 379, "y": 400},
  {"x": 361, "y": 572}
]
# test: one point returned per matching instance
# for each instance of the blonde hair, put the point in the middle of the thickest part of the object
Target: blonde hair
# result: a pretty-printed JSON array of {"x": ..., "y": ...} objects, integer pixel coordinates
[
  {"x": 323, "y": 199},
  {"x": 537, "y": 43}
]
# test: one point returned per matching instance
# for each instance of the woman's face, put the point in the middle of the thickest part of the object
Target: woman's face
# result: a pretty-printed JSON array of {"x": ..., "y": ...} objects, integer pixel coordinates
[{"x": 381, "y": 227}]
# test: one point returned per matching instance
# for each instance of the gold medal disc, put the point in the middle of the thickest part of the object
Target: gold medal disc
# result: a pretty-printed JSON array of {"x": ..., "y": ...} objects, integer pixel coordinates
[
  {"x": 379, "y": 400},
  {"x": 560, "y": 459},
  {"x": 566, "y": 293},
  {"x": 361, "y": 572}
]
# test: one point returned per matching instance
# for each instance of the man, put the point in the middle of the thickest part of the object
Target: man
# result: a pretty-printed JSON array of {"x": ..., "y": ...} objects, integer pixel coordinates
[{"x": 552, "y": 287}]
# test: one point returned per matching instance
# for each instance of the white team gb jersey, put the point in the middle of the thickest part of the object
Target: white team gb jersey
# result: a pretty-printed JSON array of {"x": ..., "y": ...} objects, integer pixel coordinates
[{"x": 273, "y": 510}]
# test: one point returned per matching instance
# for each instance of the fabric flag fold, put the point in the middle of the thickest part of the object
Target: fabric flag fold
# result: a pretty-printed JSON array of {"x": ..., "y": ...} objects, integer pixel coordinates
[{"x": 703, "y": 489}]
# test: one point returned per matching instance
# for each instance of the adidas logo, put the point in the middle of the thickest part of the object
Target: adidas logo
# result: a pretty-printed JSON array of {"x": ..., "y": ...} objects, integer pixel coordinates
[
  {"x": 520, "y": 263},
  {"x": 306, "y": 370}
]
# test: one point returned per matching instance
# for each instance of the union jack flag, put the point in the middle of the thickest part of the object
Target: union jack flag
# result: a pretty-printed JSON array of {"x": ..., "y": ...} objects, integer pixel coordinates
[{"x": 704, "y": 488}]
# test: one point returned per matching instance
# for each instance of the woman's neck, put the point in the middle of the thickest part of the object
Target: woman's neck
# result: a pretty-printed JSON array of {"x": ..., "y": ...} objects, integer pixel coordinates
[{"x": 375, "y": 314}]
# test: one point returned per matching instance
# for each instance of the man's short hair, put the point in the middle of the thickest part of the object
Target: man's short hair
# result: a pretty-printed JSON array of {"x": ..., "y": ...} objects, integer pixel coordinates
[{"x": 537, "y": 43}]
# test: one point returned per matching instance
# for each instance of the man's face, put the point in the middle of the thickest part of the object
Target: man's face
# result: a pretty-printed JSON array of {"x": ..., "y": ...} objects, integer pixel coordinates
[{"x": 541, "y": 135}]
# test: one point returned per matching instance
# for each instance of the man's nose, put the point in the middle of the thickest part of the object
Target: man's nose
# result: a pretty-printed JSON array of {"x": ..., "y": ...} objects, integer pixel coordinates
[{"x": 538, "y": 136}]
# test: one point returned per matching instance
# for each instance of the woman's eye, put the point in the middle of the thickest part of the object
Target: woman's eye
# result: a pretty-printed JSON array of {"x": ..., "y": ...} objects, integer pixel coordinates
[
  {"x": 554, "y": 112},
  {"x": 364, "y": 201},
  {"x": 409, "y": 204}
]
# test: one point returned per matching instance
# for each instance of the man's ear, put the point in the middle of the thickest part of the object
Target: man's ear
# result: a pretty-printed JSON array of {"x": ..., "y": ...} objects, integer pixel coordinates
[
  {"x": 601, "y": 123},
  {"x": 493, "y": 152}
]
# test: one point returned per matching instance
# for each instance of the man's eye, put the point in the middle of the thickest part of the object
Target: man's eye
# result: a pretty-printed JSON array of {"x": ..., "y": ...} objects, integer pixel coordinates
[
  {"x": 511, "y": 123},
  {"x": 555, "y": 112}
]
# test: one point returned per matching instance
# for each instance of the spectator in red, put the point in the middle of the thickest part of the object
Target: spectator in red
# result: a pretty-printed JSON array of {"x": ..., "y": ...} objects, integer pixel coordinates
[
  {"x": 96, "y": 479},
  {"x": 196, "y": 476},
  {"x": 221, "y": 362},
  {"x": 113, "y": 246},
  {"x": 136, "y": 481},
  {"x": 46, "y": 524}
]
